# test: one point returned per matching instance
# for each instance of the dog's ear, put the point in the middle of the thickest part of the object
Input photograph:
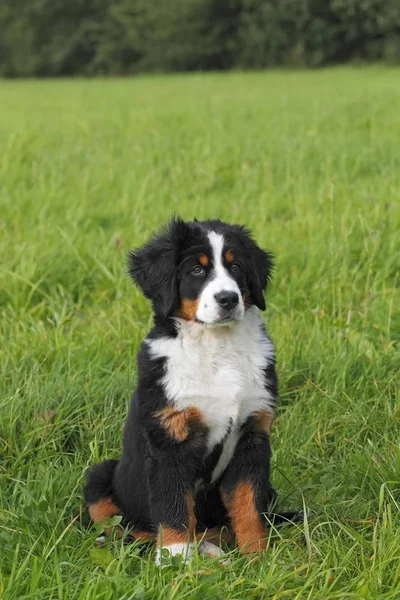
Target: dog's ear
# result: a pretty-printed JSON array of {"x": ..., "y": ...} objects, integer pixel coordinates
[
  {"x": 153, "y": 267},
  {"x": 259, "y": 271}
]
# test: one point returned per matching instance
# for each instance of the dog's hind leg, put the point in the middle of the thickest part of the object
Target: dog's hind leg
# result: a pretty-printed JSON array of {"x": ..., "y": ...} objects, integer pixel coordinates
[{"x": 98, "y": 491}]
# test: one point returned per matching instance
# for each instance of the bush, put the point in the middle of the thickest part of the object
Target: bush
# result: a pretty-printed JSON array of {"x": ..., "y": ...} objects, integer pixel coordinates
[{"x": 54, "y": 37}]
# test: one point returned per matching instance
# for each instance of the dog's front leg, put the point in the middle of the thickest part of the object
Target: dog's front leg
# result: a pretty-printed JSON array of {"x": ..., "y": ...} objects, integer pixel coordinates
[
  {"x": 172, "y": 508},
  {"x": 245, "y": 486},
  {"x": 177, "y": 448}
]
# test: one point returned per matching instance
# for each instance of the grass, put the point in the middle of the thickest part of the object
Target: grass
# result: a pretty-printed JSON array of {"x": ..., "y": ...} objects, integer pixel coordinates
[{"x": 88, "y": 169}]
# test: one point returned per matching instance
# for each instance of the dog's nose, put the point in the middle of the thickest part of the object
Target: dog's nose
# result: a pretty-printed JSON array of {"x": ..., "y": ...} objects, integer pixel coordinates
[{"x": 227, "y": 300}]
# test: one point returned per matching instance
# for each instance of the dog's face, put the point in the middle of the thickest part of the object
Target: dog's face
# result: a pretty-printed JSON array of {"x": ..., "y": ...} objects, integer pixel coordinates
[
  {"x": 212, "y": 282},
  {"x": 209, "y": 272}
]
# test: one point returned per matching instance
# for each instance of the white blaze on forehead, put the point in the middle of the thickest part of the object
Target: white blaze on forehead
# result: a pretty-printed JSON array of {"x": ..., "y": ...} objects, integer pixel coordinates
[
  {"x": 222, "y": 278},
  {"x": 221, "y": 281}
]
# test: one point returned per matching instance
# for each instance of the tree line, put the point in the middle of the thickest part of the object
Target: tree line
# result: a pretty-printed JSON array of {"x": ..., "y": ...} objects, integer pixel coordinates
[{"x": 119, "y": 37}]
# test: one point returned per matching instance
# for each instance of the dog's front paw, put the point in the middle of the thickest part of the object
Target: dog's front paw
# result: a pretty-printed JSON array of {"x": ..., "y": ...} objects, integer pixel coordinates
[
  {"x": 99, "y": 541},
  {"x": 164, "y": 554},
  {"x": 213, "y": 551}
]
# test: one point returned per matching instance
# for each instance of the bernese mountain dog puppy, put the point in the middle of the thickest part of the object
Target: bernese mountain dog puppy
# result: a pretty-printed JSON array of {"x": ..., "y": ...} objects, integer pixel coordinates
[{"x": 196, "y": 448}]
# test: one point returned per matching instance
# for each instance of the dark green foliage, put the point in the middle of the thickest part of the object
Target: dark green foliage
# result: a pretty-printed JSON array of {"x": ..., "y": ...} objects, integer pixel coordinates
[
  {"x": 49, "y": 37},
  {"x": 317, "y": 32},
  {"x": 54, "y": 37}
]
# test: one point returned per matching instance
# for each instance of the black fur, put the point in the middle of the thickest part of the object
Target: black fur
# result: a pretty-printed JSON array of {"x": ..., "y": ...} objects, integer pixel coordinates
[
  {"x": 251, "y": 462},
  {"x": 153, "y": 267},
  {"x": 99, "y": 481},
  {"x": 157, "y": 268},
  {"x": 155, "y": 474}
]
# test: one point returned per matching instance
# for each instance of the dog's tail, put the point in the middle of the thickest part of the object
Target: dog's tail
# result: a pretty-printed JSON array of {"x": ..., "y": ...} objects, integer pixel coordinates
[{"x": 98, "y": 491}]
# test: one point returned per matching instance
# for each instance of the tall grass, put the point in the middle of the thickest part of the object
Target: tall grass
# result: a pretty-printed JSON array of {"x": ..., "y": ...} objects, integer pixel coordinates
[{"x": 311, "y": 162}]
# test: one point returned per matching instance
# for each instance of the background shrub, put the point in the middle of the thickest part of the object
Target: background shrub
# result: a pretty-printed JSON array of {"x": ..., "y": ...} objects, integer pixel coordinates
[{"x": 54, "y": 37}]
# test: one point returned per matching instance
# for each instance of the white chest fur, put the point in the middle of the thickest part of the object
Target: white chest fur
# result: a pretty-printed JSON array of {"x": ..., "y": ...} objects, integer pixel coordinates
[{"x": 220, "y": 371}]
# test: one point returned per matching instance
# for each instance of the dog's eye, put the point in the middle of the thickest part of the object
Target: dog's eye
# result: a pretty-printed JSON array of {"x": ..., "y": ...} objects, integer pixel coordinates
[
  {"x": 198, "y": 271},
  {"x": 235, "y": 267}
]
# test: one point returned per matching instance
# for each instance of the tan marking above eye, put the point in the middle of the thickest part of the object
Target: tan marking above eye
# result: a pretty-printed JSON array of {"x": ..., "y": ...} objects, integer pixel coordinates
[
  {"x": 203, "y": 259},
  {"x": 229, "y": 256}
]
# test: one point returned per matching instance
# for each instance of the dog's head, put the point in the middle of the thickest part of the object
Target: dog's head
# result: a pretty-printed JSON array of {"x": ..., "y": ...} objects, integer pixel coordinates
[{"x": 204, "y": 271}]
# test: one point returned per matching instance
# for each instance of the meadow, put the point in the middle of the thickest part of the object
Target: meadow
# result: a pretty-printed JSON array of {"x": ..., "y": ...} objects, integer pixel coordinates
[{"x": 310, "y": 161}]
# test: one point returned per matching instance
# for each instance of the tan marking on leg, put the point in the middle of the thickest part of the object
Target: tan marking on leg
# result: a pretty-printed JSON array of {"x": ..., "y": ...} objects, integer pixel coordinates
[
  {"x": 136, "y": 534},
  {"x": 246, "y": 522},
  {"x": 103, "y": 510},
  {"x": 203, "y": 260},
  {"x": 188, "y": 309},
  {"x": 168, "y": 536},
  {"x": 229, "y": 256},
  {"x": 263, "y": 420},
  {"x": 177, "y": 422}
]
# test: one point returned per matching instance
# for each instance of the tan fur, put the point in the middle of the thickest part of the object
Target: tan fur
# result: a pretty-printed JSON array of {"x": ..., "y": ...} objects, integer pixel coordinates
[
  {"x": 103, "y": 510},
  {"x": 215, "y": 535},
  {"x": 203, "y": 260},
  {"x": 229, "y": 256},
  {"x": 188, "y": 309},
  {"x": 246, "y": 522},
  {"x": 137, "y": 534},
  {"x": 263, "y": 420},
  {"x": 168, "y": 536},
  {"x": 177, "y": 422}
]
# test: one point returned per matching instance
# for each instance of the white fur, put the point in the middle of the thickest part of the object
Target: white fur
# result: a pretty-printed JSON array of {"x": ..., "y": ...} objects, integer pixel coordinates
[
  {"x": 213, "y": 551},
  {"x": 185, "y": 550},
  {"x": 208, "y": 310},
  {"x": 219, "y": 371},
  {"x": 99, "y": 541},
  {"x": 226, "y": 454}
]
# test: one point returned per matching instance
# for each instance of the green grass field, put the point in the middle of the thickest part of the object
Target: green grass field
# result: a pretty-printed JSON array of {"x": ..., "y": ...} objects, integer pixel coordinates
[{"x": 311, "y": 162}]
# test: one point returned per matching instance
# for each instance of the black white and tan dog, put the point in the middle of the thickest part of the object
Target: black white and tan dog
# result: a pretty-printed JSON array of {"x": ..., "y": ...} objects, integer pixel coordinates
[{"x": 196, "y": 449}]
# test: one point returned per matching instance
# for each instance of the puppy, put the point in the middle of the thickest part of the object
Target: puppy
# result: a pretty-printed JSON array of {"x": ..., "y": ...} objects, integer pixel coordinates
[{"x": 196, "y": 449}]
